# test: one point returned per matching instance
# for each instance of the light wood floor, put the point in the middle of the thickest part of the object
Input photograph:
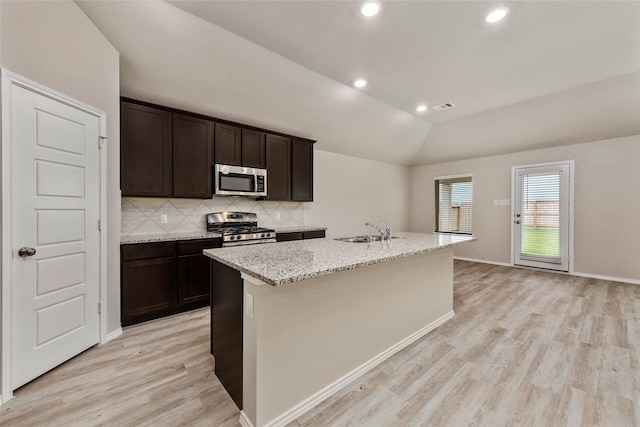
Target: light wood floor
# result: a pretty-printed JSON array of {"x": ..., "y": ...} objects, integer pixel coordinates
[{"x": 525, "y": 348}]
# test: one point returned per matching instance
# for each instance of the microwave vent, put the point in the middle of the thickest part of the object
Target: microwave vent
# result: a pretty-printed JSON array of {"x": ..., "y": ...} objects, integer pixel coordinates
[{"x": 444, "y": 106}]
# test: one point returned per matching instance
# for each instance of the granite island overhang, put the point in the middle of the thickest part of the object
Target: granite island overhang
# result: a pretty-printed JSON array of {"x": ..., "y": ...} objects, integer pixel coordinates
[{"x": 317, "y": 314}]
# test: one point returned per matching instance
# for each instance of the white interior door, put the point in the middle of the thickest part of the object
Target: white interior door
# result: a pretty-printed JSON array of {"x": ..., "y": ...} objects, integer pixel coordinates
[
  {"x": 55, "y": 196},
  {"x": 541, "y": 216}
]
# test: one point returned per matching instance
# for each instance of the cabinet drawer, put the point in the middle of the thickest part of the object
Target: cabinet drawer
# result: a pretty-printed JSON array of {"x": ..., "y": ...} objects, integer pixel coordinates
[
  {"x": 193, "y": 247},
  {"x": 287, "y": 237},
  {"x": 315, "y": 234},
  {"x": 148, "y": 250}
]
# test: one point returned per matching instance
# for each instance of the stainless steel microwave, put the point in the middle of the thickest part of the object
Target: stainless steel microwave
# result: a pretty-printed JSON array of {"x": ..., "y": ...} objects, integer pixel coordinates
[{"x": 240, "y": 181}]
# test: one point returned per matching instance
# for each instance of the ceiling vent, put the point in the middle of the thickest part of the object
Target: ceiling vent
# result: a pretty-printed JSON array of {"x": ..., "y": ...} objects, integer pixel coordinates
[{"x": 444, "y": 106}]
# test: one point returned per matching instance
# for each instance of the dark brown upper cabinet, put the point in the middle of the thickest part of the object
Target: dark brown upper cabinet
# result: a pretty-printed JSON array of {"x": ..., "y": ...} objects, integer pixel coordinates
[
  {"x": 301, "y": 171},
  {"x": 253, "y": 149},
  {"x": 170, "y": 153},
  {"x": 192, "y": 156},
  {"x": 228, "y": 145},
  {"x": 145, "y": 151},
  {"x": 278, "y": 167}
]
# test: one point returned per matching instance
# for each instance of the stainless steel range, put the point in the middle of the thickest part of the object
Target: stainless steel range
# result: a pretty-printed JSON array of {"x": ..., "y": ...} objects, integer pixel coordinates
[{"x": 239, "y": 228}]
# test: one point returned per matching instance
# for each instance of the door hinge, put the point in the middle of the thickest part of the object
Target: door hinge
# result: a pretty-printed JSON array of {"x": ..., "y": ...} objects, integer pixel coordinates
[
  {"x": 102, "y": 140},
  {"x": 99, "y": 308},
  {"x": 99, "y": 225}
]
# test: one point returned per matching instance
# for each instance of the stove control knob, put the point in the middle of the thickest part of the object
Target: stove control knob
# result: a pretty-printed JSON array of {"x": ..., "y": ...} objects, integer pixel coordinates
[
  {"x": 262, "y": 235},
  {"x": 232, "y": 237}
]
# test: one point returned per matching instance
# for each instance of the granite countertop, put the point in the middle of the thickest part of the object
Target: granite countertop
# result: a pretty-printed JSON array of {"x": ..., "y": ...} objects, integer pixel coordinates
[
  {"x": 297, "y": 229},
  {"x": 280, "y": 263},
  {"x": 167, "y": 237}
]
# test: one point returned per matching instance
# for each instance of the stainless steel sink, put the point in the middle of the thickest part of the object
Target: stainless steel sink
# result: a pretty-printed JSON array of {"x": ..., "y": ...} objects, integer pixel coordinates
[{"x": 362, "y": 239}]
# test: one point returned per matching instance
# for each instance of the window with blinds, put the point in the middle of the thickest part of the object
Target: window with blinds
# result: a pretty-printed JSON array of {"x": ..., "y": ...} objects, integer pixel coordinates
[{"x": 454, "y": 203}]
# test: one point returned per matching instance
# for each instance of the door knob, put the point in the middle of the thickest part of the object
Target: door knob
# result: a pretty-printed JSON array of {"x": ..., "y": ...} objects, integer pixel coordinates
[{"x": 24, "y": 251}]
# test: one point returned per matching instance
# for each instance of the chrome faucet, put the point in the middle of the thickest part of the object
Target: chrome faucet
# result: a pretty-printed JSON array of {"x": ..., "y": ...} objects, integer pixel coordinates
[{"x": 384, "y": 235}]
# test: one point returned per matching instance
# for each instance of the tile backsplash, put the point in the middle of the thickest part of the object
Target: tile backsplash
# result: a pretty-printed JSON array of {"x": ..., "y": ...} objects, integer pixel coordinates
[{"x": 141, "y": 215}]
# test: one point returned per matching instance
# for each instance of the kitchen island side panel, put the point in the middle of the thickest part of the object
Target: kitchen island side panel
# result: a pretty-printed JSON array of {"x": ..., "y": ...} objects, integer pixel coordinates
[
  {"x": 226, "y": 328},
  {"x": 304, "y": 337}
]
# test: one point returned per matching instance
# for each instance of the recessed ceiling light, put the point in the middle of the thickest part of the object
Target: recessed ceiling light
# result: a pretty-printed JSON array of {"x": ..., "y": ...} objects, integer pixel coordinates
[
  {"x": 496, "y": 15},
  {"x": 360, "y": 83},
  {"x": 370, "y": 8},
  {"x": 421, "y": 108}
]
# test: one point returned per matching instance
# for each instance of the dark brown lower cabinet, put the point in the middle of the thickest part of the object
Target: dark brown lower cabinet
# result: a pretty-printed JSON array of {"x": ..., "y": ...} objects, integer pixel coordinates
[
  {"x": 163, "y": 278},
  {"x": 300, "y": 235},
  {"x": 193, "y": 272},
  {"x": 148, "y": 289},
  {"x": 226, "y": 327},
  {"x": 313, "y": 234},
  {"x": 287, "y": 237}
]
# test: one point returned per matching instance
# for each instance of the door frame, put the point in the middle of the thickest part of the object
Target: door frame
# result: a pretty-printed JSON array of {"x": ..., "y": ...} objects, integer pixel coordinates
[
  {"x": 10, "y": 79},
  {"x": 571, "y": 164}
]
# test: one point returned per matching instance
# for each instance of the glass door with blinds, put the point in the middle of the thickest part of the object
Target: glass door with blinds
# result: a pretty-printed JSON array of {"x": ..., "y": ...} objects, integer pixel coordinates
[{"x": 541, "y": 214}]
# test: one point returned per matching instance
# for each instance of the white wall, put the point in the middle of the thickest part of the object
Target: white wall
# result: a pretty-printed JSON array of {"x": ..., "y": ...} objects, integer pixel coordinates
[
  {"x": 170, "y": 57},
  {"x": 607, "y": 204},
  {"x": 56, "y": 45},
  {"x": 349, "y": 191}
]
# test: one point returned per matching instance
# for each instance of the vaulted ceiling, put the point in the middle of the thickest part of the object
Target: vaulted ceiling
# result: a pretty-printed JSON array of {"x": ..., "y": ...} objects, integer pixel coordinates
[{"x": 551, "y": 73}]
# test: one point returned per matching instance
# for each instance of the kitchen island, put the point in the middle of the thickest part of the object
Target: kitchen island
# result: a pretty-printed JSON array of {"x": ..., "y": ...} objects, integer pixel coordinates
[{"x": 317, "y": 314}]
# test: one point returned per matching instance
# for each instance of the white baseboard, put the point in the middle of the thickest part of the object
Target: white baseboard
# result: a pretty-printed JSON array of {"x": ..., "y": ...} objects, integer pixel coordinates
[
  {"x": 313, "y": 400},
  {"x": 112, "y": 335},
  {"x": 244, "y": 420},
  {"x": 483, "y": 261},
  {"x": 609, "y": 278},
  {"x": 574, "y": 273}
]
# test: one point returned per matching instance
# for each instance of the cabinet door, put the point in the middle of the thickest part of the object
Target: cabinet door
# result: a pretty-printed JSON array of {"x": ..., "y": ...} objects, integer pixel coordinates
[
  {"x": 145, "y": 151},
  {"x": 193, "y": 280},
  {"x": 149, "y": 289},
  {"x": 253, "y": 149},
  {"x": 278, "y": 167},
  {"x": 302, "y": 171},
  {"x": 193, "y": 272},
  {"x": 192, "y": 157},
  {"x": 228, "y": 145}
]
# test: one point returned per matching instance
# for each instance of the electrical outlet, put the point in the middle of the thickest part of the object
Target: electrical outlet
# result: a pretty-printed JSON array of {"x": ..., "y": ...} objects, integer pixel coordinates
[
  {"x": 277, "y": 216},
  {"x": 249, "y": 305},
  {"x": 163, "y": 218}
]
